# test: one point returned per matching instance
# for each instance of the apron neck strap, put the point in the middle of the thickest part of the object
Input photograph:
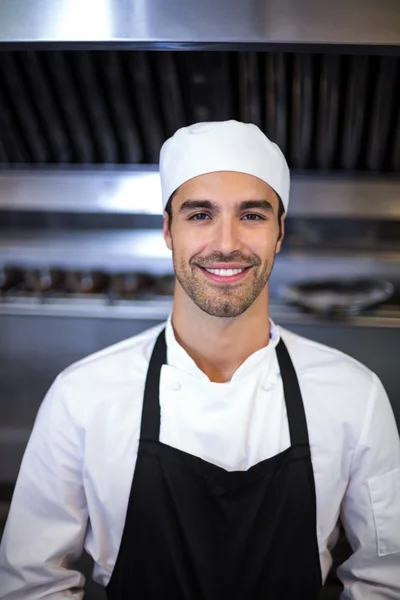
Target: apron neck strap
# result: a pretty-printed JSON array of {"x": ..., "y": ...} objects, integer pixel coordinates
[
  {"x": 150, "y": 428},
  {"x": 294, "y": 402}
]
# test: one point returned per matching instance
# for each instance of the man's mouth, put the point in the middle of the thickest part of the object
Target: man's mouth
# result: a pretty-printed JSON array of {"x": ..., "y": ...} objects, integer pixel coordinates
[
  {"x": 225, "y": 272},
  {"x": 226, "y": 275}
]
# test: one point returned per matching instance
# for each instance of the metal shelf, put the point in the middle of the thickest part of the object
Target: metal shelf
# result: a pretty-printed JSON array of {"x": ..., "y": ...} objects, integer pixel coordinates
[
  {"x": 104, "y": 190},
  {"x": 137, "y": 191},
  {"x": 140, "y": 250},
  {"x": 145, "y": 249},
  {"x": 159, "y": 310}
]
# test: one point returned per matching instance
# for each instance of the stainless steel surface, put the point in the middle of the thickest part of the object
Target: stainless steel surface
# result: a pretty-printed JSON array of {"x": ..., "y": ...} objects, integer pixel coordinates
[
  {"x": 83, "y": 191},
  {"x": 109, "y": 250},
  {"x": 159, "y": 310},
  {"x": 137, "y": 190},
  {"x": 145, "y": 250},
  {"x": 358, "y": 197},
  {"x": 234, "y": 21},
  {"x": 100, "y": 308}
]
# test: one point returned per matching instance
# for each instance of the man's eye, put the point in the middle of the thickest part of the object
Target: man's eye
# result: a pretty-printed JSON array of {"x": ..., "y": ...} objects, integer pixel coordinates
[
  {"x": 253, "y": 217},
  {"x": 199, "y": 217}
]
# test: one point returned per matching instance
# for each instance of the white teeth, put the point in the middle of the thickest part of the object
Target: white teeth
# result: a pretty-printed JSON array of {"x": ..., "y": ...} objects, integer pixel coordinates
[{"x": 225, "y": 272}]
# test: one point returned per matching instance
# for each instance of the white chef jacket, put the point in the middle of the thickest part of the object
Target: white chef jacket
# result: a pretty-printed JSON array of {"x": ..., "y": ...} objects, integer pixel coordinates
[{"x": 76, "y": 474}]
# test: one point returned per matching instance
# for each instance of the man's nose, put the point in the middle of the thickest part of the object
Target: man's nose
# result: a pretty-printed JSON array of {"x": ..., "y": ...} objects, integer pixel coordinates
[{"x": 227, "y": 238}]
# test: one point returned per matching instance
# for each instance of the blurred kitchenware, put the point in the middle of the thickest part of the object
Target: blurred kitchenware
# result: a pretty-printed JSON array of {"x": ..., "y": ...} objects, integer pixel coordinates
[
  {"x": 128, "y": 285},
  {"x": 338, "y": 297},
  {"x": 86, "y": 282},
  {"x": 41, "y": 280},
  {"x": 10, "y": 278},
  {"x": 165, "y": 285}
]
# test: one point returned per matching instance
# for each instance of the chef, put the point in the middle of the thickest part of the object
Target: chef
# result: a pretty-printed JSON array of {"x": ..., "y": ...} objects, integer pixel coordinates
[{"x": 211, "y": 457}]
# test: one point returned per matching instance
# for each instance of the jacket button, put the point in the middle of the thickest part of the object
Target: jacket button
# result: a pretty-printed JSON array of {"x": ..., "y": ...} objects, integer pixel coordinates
[
  {"x": 175, "y": 386},
  {"x": 267, "y": 387}
]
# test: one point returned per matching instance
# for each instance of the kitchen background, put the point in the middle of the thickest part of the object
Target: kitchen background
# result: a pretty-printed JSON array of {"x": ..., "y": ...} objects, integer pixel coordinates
[{"x": 89, "y": 92}]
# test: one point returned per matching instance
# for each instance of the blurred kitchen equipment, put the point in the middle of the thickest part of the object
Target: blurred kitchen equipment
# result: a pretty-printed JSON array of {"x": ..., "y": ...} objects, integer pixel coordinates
[
  {"x": 42, "y": 281},
  {"x": 129, "y": 285},
  {"x": 10, "y": 277},
  {"x": 165, "y": 285},
  {"x": 339, "y": 297},
  {"x": 86, "y": 282}
]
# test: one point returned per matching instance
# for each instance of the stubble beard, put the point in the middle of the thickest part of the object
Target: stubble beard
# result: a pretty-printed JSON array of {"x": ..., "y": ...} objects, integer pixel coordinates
[{"x": 222, "y": 301}]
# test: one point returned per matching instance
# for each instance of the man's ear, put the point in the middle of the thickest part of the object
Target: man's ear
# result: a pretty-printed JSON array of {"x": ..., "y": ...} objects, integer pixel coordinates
[
  {"x": 279, "y": 242},
  {"x": 167, "y": 231}
]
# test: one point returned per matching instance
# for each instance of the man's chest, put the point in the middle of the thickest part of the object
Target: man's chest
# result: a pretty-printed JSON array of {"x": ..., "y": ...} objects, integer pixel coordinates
[{"x": 232, "y": 426}]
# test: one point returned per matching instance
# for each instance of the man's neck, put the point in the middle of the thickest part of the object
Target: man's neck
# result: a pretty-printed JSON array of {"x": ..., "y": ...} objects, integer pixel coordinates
[{"x": 218, "y": 345}]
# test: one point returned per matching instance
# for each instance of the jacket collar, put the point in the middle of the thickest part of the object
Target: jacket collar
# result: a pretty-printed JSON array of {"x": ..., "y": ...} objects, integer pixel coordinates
[{"x": 179, "y": 359}]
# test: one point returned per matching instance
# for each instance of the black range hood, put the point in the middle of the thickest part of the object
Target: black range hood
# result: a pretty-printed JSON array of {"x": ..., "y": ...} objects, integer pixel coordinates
[{"x": 326, "y": 111}]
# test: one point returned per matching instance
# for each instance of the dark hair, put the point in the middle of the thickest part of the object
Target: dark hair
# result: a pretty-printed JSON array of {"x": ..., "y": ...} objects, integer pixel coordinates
[{"x": 168, "y": 210}]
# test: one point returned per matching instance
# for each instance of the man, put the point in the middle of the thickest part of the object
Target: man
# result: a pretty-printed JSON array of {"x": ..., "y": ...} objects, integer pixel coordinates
[{"x": 211, "y": 457}]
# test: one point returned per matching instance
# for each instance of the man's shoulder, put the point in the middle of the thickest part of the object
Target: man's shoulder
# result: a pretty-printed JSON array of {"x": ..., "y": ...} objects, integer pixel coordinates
[
  {"x": 125, "y": 357},
  {"x": 133, "y": 348},
  {"x": 106, "y": 372},
  {"x": 335, "y": 387},
  {"x": 314, "y": 358}
]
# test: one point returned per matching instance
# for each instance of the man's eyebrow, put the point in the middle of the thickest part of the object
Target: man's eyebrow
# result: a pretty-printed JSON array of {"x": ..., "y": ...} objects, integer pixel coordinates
[
  {"x": 260, "y": 204},
  {"x": 195, "y": 204},
  {"x": 209, "y": 205}
]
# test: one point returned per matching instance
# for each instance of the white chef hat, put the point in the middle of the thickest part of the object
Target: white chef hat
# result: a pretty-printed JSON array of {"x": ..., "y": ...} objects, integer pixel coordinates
[{"x": 222, "y": 146}]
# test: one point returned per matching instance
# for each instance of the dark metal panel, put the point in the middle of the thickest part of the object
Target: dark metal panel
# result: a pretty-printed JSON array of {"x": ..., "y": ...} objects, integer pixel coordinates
[
  {"x": 302, "y": 110},
  {"x": 328, "y": 110},
  {"x": 207, "y": 85},
  {"x": 169, "y": 91},
  {"x": 395, "y": 162},
  {"x": 11, "y": 146},
  {"x": 70, "y": 107},
  {"x": 115, "y": 90},
  {"x": 144, "y": 100},
  {"x": 382, "y": 111},
  {"x": 309, "y": 21},
  {"x": 3, "y": 154},
  {"x": 95, "y": 108},
  {"x": 35, "y": 77},
  {"x": 24, "y": 114},
  {"x": 394, "y": 154},
  {"x": 276, "y": 98},
  {"x": 250, "y": 88},
  {"x": 354, "y": 111}
]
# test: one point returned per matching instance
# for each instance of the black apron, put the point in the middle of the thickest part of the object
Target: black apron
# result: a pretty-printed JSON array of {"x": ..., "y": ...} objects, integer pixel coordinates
[{"x": 195, "y": 531}]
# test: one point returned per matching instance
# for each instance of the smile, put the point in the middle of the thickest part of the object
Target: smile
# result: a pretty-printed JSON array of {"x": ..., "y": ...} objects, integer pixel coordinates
[
  {"x": 224, "y": 272},
  {"x": 232, "y": 276}
]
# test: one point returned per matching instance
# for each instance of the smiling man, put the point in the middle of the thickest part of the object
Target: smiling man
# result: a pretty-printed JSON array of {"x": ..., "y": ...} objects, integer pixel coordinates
[
  {"x": 212, "y": 457},
  {"x": 225, "y": 232}
]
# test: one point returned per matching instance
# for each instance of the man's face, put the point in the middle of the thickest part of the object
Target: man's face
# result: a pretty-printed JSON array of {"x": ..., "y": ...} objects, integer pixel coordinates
[{"x": 224, "y": 237}]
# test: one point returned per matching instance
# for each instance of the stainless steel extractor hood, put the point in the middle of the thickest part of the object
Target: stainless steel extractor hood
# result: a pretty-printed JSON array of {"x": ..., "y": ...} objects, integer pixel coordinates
[
  {"x": 365, "y": 22},
  {"x": 103, "y": 83}
]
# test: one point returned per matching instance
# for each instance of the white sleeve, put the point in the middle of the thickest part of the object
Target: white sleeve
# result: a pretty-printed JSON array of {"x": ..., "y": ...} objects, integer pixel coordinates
[
  {"x": 371, "y": 507},
  {"x": 47, "y": 521}
]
